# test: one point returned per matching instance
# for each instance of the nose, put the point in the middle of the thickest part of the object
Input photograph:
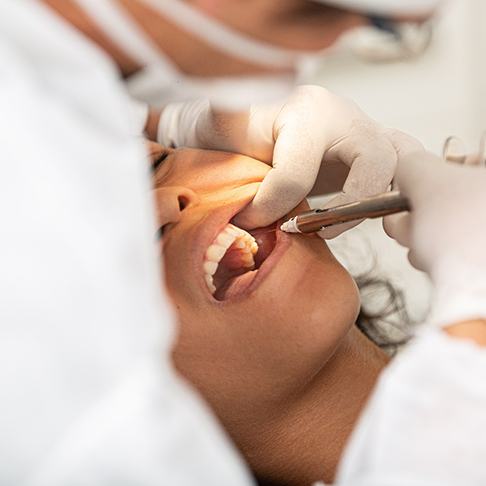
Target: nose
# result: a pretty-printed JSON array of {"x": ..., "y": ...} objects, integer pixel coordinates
[{"x": 171, "y": 202}]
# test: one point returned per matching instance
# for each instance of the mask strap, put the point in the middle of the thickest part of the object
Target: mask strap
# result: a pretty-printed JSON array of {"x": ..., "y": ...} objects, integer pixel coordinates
[
  {"x": 123, "y": 30},
  {"x": 223, "y": 38}
]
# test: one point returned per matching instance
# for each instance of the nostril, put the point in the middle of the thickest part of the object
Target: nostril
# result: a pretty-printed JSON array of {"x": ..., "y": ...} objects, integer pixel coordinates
[{"x": 183, "y": 202}]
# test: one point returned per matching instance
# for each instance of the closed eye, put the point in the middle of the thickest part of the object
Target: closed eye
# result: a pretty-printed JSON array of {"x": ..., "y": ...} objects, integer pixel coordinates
[{"x": 159, "y": 159}]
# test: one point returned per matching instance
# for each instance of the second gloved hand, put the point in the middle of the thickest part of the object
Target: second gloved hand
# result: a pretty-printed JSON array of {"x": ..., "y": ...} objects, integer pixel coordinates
[
  {"x": 297, "y": 137},
  {"x": 445, "y": 232}
]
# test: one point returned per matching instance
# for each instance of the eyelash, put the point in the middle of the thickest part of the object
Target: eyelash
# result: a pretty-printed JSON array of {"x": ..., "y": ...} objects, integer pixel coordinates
[{"x": 159, "y": 160}]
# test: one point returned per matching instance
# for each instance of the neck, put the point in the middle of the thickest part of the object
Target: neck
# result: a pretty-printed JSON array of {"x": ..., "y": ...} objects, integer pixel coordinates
[
  {"x": 309, "y": 438},
  {"x": 70, "y": 11}
]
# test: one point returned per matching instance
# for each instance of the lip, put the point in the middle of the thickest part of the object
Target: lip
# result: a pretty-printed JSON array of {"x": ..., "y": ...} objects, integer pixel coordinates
[{"x": 206, "y": 232}]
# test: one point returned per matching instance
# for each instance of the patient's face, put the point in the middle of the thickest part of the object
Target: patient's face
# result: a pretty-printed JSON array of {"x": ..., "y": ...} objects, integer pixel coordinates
[{"x": 259, "y": 324}]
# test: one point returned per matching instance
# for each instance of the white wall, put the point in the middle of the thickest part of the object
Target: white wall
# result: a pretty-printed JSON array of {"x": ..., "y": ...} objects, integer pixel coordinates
[
  {"x": 443, "y": 93},
  {"x": 439, "y": 94}
]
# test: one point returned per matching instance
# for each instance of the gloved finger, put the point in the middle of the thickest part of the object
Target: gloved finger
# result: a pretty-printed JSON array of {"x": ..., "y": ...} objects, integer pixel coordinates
[
  {"x": 403, "y": 143},
  {"x": 334, "y": 231},
  {"x": 398, "y": 227},
  {"x": 371, "y": 173},
  {"x": 416, "y": 172},
  {"x": 297, "y": 158},
  {"x": 415, "y": 261}
]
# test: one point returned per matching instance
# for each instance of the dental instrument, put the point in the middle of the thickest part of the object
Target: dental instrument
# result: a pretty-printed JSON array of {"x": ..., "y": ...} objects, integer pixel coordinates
[
  {"x": 456, "y": 150},
  {"x": 372, "y": 207}
]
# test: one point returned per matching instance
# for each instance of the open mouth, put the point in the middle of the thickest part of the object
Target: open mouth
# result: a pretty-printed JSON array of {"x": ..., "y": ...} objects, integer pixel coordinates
[{"x": 232, "y": 261}]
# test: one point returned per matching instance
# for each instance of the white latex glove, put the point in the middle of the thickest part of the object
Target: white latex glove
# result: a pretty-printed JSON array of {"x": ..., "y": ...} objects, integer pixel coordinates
[
  {"x": 445, "y": 232},
  {"x": 297, "y": 136}
]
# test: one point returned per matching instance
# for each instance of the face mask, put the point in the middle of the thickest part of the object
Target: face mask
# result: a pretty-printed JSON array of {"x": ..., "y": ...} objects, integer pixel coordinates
[
  {"x": 387, "y": 8},
  {"x": 160, "y": 81}
]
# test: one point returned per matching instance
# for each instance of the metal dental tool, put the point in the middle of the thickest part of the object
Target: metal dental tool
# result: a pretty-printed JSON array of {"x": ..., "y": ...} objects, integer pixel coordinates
[{"x": 372, "y": 207}]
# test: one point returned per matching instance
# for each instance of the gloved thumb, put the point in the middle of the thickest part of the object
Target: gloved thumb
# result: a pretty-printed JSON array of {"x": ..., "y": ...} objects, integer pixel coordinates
[{"x": 296, "y": 161}]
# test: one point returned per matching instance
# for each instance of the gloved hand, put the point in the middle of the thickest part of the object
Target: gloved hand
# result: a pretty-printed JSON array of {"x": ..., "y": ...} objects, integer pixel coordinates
[
  {"x": 445, "y": 232},
  {"x": 297, "y": 137}
]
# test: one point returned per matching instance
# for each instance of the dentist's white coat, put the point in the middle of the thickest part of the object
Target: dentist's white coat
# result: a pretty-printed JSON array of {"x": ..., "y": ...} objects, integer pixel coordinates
[{"x": 87, "y": 395}]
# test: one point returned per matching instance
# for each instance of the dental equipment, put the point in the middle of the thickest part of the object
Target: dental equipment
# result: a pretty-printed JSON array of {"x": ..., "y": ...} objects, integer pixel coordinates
[
  {"x": 372, "y": 207},
  {"x": 456, "y": 150}
]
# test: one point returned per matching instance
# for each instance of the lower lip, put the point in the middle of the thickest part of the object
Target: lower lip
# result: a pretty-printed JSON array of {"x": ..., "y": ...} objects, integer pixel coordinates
[{"x": 283, "y": 241}]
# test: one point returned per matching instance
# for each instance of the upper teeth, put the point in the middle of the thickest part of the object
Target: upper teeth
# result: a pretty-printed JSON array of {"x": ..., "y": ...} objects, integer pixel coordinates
[{"x": 230, "y": 236}]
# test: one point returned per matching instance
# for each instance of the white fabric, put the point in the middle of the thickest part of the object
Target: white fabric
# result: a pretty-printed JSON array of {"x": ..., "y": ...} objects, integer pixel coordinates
[
  {"x": 386, "y": 7},
  {"x": 140, "y": 112},
  {"x": 445, "y": 232},
  {"x": 178, "y": 123},
  {"x": 425, "y": 423},
  {"x": 297, "y": 136},
  {"x": 406, "y": 41},
  {"x": 87, "y": 394},
  {"x": 160, "y": 80}
]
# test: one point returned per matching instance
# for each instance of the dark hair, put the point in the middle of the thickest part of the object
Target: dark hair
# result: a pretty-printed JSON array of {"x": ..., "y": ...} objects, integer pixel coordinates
[{"x": 383, "y": 316}]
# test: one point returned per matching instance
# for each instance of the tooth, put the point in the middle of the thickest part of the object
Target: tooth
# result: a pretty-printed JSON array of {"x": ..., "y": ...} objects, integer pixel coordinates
[
  {"x": 225, "y": 239},
  {"x": 210, "y": 267},
  {"x": 254, "y": 248},
  {"x": 209, "y": 283},
  {"x": 215, "y": 253},
  {"x": 240, "y": 243},
  {"x": 233, "y": 230},
  {"x": 247, "y": 260},
  {"x": 250, "y": 239}
]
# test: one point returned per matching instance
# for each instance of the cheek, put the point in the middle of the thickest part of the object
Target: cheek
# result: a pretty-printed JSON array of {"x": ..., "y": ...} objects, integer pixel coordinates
[
  {"x": 305, "y": 324},
  {"x": 280, "y": 335}
]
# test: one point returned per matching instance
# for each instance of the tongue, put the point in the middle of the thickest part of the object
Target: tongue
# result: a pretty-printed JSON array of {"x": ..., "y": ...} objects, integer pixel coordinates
[{"x": 236, "y": 286}]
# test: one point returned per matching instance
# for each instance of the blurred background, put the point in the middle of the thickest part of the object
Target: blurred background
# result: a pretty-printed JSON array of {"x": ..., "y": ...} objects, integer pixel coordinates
[{"x": 441, "y": 93}]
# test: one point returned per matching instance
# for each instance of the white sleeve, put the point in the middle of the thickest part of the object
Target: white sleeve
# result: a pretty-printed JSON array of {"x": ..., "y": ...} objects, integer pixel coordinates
[
  {"x": 87, "y": 392},
  {"x": 149, "y": 430},
  {"x": 140, "y": 112},
  {"x": 425, "y": 424}
]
